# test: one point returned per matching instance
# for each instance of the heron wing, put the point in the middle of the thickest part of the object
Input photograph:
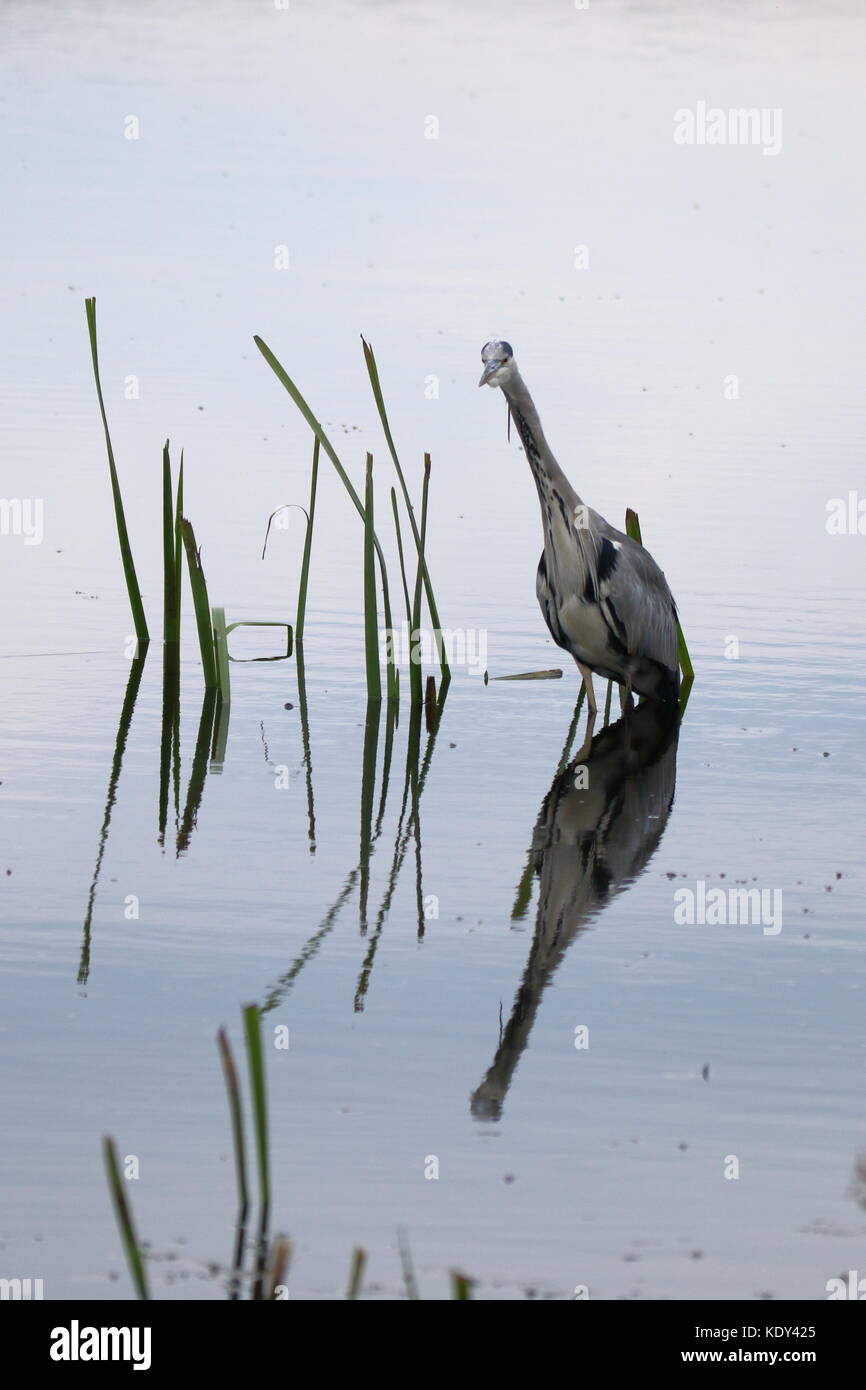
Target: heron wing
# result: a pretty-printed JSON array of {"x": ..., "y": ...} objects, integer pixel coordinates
[{"x": 636, "y": 602}]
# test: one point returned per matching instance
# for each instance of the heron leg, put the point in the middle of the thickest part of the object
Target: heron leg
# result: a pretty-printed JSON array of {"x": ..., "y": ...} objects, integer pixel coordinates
[
  {"x": 584, "y": 750},
  {"x": 626, "y": 698},
  {"x": 590, "y": 693}
]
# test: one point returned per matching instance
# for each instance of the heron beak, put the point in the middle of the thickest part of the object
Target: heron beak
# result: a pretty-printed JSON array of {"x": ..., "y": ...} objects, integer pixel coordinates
[{"x": 489, "y": 368}]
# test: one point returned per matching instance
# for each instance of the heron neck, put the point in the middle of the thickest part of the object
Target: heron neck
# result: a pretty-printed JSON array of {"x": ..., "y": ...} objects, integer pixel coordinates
[{"x": 545, "y": 469}]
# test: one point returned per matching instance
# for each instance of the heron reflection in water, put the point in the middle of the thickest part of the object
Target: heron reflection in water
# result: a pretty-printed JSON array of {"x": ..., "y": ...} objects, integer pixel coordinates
[{"x": 597, "y": 829}]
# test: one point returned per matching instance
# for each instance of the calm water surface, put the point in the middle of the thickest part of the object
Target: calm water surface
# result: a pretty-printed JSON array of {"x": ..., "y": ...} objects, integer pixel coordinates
[{"x": 547, "y": 914}]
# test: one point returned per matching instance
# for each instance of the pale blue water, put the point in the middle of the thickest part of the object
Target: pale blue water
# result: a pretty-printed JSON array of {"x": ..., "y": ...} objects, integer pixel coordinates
[{"x": 606, "y": 1164}]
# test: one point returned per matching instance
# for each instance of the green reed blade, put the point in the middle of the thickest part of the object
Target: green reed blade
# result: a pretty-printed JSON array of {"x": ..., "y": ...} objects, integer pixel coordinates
[
  {"x": 198, "y": 773},
  {"x": 686, "y": 666},
  {"x": 283, "y": 507},
  {"x": 461, "y": 1285},
  {"x": 373, "y": 373},
  {"x": 524, "y": 888},
  {"x": 178, "y": 542},
  {"x": 685, "y": 692},
  {"x": 368, "y": 788},
  {"x": 391, "y": 716},
  {"x": 221, "y": 653},
  {"x": 400, "y": 553},
  {"x": 132, "y": 586},
  {"x": 170, "y": 611},
  {"x": 572, "y": 729},
  {"x": 308, "y": 547},
  {"x": 136, "y": 671},
  {"x": 233, "y": 1092},
  {"x": 415, "y": 673},
  {"x": 200, "y": 604},
  {"x": 411, "y": 784},
  {"x": 371, "y": 615},
  {"x": 632, "y": 525},
  {"x": 220, "y": 739},
  {"x": 123, "y": 1216},
  {"x": 252, "y": 1033},
  {"x": 523, "y": 893},
  {"x": 259, "y": 622},
  {"x": 170, "y": 720},
  {"x": 305, "y": 744},
  {"x": 283, "y": 377}
]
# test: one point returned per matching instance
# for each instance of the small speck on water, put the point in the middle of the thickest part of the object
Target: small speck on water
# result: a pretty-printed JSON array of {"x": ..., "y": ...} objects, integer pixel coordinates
[{"x": 288, "y": 705}]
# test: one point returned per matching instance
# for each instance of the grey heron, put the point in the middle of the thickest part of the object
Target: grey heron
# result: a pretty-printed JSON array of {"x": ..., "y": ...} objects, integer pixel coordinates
[{"x": 602, "y": 595}]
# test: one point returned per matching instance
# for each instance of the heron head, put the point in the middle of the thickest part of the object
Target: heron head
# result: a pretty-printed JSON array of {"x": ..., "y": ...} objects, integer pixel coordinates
[{"x": 498, "y": 358}]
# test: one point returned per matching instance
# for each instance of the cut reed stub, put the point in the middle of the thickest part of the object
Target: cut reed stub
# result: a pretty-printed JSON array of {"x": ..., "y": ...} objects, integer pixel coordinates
[
  {"x": 431, "y": 709},
  {"x": 356, "y": 1272}
]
